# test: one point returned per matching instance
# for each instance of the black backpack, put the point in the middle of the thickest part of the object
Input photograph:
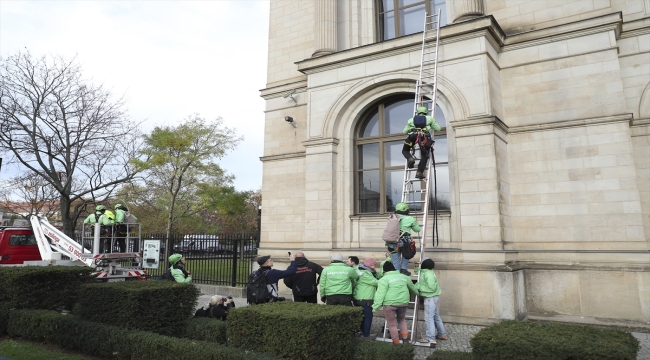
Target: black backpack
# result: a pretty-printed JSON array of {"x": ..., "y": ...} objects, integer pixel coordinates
[
  {"x": 420, "y": 121},
  {"x": 167, "y": 275},
  {"x": 256, "y": 290},
  {"x": 408, "y": 248}
]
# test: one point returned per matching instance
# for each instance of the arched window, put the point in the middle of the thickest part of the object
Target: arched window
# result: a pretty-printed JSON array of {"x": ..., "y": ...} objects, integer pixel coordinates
[{"x": 379, "y": 166}]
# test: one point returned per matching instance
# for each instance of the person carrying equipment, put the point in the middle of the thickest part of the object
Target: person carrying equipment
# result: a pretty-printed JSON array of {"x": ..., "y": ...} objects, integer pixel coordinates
[
  {"x": 406, "y": 224},
  {"x": 418, "y": 129}
]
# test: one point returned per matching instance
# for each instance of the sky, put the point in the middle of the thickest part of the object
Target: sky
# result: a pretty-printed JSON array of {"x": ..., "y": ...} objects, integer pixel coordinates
[{"x": 170, "y": 59}]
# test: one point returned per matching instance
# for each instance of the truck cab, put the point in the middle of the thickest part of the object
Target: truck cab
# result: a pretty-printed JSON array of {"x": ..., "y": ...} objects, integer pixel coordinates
[{"x": 18, "y": 245}]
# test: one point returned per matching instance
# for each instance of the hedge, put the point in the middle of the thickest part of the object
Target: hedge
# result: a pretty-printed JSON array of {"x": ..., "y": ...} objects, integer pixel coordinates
[
  {"x": 111, "y": 342},
  {"x": 205, "y": 329},
  {"x": 531, "y": 340},
  {"x": 42, "y": 287},
  {"x": 159, "y": 306},
  {"x": 295, "y": 330},
  {"x": 375, "y": 350},
  {"x": 450, "y": 355}
]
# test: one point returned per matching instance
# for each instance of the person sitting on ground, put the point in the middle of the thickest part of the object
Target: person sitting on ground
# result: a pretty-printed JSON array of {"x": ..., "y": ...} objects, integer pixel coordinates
[
  {"x": 393, "y": 293},
  {"x": 304, "y": 283},
  {"x": 177, "y": 269},
  {"x": 407, "y": 224},
  {"x": 364, "y": 294},
  {"x": 430, "y": 291},
  {"x": 336, "y": 282},
  {"x": 418, "y": 129},
  {"x": 273, "y": 276}
]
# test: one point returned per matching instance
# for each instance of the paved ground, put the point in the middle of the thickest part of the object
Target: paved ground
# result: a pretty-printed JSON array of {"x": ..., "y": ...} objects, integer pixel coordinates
[{"x": 459, "y": 335}]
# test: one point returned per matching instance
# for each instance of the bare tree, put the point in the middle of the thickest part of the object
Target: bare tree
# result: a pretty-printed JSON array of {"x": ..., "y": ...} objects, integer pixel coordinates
[
  {"x": 65, "y": 129},
  {"x": 29, "y": 194}
]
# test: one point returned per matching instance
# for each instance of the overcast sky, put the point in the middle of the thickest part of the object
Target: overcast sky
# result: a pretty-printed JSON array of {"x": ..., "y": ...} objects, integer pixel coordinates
[{"x": 170, "y": 59}]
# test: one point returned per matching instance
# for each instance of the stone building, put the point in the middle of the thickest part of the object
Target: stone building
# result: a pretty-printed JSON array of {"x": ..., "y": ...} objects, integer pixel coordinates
[{"x": 543, "y": 162}]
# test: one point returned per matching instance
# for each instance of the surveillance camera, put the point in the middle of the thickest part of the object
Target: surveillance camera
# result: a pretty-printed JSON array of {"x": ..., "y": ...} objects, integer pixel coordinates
[{"x": 288, "y": 119}]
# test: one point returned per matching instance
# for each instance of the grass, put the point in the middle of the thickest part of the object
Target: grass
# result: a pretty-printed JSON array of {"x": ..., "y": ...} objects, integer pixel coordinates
[
  {"x": 216, "y": 271},
  {"x": 25, "y": 350}
]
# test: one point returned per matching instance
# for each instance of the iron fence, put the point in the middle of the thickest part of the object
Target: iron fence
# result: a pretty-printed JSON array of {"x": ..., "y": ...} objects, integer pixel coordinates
[{"x": 216, "y": 259}]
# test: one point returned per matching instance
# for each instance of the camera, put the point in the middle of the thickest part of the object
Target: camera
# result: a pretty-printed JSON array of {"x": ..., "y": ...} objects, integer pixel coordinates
[{"x": 276, "y": 299}]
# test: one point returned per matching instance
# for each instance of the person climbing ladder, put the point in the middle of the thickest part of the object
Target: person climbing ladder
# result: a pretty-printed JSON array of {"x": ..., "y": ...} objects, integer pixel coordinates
[{"x": 418, "y": 129}]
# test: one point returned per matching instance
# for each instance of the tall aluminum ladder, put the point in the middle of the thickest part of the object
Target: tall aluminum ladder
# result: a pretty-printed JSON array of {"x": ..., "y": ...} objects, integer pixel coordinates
[{"x": 415, "y": 192}]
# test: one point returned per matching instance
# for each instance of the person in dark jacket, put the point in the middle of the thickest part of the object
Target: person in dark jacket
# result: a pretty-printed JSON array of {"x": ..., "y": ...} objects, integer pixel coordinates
[
  {"x": 273, "y": 276},
  {"x": 304, "y": 283}
]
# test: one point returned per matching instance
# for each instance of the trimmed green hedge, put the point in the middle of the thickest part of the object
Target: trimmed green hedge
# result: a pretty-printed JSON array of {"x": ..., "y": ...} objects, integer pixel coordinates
[
  {"x": 159, "y": 306},
  {"x": 4, "y": 319},
  {"x": 205, "y": 329},
  {"x": 375, "y": 350},
  {"x": 296, "y": 330},
  {"x": 111, "y": 342},
  {"x": 42, "y": 287},
  {"x": 450, "y": 355},
  {"x": 532, "y": 340}
]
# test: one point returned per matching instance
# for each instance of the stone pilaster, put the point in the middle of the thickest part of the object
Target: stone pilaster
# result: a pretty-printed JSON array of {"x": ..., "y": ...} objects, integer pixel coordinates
[
  {"x": 325, "y": 27},
  {"x": 320, "y": 193},
  {"x": 468, "y": 9}
]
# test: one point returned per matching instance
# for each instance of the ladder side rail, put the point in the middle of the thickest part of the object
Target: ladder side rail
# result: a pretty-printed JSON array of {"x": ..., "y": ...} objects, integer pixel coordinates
[
  {"x": 418, "y": 91},
  {"x": 64, "y": 244}
]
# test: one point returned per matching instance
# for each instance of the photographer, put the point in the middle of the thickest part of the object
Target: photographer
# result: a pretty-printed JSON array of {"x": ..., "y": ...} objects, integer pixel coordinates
[
  {"x": 222, "y": 308},
  {"x": 273, "y": 276}
]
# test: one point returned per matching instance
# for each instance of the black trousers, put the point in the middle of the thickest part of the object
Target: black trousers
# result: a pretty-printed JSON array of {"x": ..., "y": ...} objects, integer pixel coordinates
[
  {"x": 425, "y": 148},
  {"x": 312, "y": 299},
  {"x": 345, "y": 300}
]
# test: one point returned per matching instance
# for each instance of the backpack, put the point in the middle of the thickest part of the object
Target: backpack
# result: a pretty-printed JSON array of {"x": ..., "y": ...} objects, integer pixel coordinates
[
  {"x": 408, "y": 248},
  {"x": 256, "y": 290},
  {"x": 128, "y": 218},
  {"x": 391, "y": 233},
  {"x": 420, "y": 121},
  {"x": 167, "y": 275}
]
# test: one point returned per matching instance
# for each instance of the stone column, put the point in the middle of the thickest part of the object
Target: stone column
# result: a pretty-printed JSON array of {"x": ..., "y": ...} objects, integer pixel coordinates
[
  {"x": 325, "y": 27},
  {"x": 468, "y": 9}
]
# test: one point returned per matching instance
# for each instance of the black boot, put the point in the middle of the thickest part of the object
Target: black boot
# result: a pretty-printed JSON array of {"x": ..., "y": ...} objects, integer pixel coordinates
[
  {"x": 420, "y": 175},
  {"x": 410, "y": 162}
]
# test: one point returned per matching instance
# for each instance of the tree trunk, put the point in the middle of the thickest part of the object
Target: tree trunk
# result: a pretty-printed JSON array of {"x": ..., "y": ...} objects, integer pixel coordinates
[
  {"x": 68, "y": 222},
  {"x": 170, "y": 219}
]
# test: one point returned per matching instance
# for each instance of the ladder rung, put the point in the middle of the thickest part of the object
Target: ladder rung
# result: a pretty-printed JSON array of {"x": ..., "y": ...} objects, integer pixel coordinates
[
  {"x": 415, "y": 201},
  {"x": 414, "y": 191}
]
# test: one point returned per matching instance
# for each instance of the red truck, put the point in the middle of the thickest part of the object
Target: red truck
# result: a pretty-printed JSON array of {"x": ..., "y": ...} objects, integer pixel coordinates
[{"x": 18, "y": 245}]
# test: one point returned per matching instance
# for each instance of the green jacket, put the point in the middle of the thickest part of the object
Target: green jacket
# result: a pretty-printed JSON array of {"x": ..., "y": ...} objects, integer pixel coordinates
[
  {"x": 336, "y": 279},
  {"x": 428, "y": 283},
  {"x": 102, "y": 219},
  {"x": 366, "y": 285},
  {"x": 120, "y": 214},
  {"x": 393, "y": 289},
  {"x": 380, "y": 271},
  {"x": 408, "y": 223},
  {"x": 431, "y": 123},
  {"x": 179, "y": 276}
]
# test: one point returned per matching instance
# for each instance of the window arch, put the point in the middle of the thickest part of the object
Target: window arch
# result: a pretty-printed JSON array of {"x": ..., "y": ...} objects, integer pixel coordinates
[{"x": 379, "y": 165}]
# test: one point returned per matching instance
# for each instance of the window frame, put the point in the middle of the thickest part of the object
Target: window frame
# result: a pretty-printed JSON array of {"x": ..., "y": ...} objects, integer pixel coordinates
[
  {"x": 379, "y": 34},
  {"x": 379, "y": 105}
]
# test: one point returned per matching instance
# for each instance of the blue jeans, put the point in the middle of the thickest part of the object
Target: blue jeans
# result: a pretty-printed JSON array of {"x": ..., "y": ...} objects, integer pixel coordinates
[
  {"x": 367, "y": 320},
  {"x": 399, "y": 262},
  {"x": 432, "y": 318}
]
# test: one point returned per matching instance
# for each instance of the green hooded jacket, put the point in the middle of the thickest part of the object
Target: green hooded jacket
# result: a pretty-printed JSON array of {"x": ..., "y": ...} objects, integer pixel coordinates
[
  {"x": 120, "y": 215},
  {"x": 337, "y": 279},
  {"x": 366, "y": 285},
  {"x": 408, "y": 223},
  {"x": 431, "y": 123},
  {"x": 380, "y": 271},
  {"x": 393, "y": 289},
  {"x": 178, "y": 274},
  {"x": 93, "y": 218},
  {"x": 428, "y": 283}
]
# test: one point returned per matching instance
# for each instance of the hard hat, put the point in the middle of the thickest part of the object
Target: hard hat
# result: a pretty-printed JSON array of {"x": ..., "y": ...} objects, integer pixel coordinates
[
  {"x": 117, "y": 206},
  {"x": 175, "y": 258},
  {"x": 422, "y": 110},
  {"x": 100, "y": 208},
  {"x": 401, "y": 207}
]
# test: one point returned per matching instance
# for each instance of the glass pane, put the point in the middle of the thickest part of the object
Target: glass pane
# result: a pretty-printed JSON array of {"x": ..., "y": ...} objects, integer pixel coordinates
[
  {"x": 393, "y": 153},
  {"x": 396, "y": 115},
  {"x": 440, "y": 153},
  {"x": 440, "y": 4},
  {"x": 442, "y": 185},
  {"x": 440, "y": 117},
  {"x": 369, "y": 191},
  {"x": 369, "y": 156},
  {"x": 385, "y": 5},
  {"x": 403, "y": 3},
  {"x": 411, "y": 20},
  {"x": 394, "y": 184},
  {"x": 387, "y": 25},
  {"x": 371, "y": 127}
]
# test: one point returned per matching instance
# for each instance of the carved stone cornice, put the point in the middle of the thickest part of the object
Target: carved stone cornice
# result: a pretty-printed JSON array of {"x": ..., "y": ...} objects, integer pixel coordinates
[
  {"x": 301, "y": 154},
  {"x": 571, "y": 123}
]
